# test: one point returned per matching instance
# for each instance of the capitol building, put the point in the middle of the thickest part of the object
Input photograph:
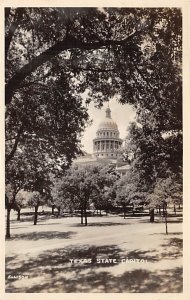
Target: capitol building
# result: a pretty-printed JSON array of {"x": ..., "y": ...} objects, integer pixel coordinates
[
  {"x": 107, "y": 140},
  {"x": 106, "y": 146}
]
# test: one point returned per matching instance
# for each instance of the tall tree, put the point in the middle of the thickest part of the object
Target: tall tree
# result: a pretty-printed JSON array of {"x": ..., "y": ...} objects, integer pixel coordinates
[
  {"x": 141, "y": 46},
  {"x": 154, "y": 154},
  {"x": 50, "y": 118},
  {"x": 35, "y": 200},
  {"x": 14, "y": 182},
  {"x": 82, "y": 185},
  {"x": 102, "y": 196},
  {"x": 53, "y": 55}
]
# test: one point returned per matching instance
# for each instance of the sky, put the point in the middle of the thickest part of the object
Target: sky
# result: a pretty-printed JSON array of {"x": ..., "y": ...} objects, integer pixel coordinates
[{"x": 121, "y": 114}]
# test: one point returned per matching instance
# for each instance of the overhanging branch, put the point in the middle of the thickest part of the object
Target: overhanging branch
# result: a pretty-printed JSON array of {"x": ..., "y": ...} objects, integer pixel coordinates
[{"x": 68, "y": 43}]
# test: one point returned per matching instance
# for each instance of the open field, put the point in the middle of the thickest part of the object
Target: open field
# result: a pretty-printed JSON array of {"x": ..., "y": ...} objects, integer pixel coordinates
[{"x": 122, "y": 255}]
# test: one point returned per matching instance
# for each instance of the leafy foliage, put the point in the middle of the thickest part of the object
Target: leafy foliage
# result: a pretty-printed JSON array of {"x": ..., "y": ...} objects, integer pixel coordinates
[
  {"x": 81, "y": 186},
  {"x": 141, "y": 46},
  {"x": 55, "y": 56}
]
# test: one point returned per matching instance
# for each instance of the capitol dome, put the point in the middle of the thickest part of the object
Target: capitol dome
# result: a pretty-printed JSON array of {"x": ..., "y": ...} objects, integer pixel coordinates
[
  {"x": 107, "y": 140},
  {"x": 108, "y": 124}
]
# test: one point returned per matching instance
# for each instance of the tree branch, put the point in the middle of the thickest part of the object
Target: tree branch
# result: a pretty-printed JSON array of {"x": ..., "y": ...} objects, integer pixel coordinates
[
  {"x": 68, "y": 43},
  {"x": 7, "y": 13},
  {"x": 11, "y": 154},
  {"x": 141, "y": 74},
  {"x": 12, "y": 29},
  {"x": 157, "y": 98},
  {"x": 92, "y": 69}
]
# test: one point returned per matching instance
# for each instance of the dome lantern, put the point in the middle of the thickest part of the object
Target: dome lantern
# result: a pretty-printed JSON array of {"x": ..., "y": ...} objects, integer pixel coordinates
[{"x": 108, "y": 113}]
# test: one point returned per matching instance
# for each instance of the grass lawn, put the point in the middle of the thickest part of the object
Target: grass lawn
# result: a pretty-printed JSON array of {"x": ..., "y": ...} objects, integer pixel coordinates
[{"x": 110, "y": 255}]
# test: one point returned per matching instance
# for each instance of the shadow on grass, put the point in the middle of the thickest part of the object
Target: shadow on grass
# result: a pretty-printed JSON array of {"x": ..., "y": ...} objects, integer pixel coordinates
[
  {"x": 47, "y": 235},
  {"x": 178, "y": 220},
  {"x": 55, "y": 273},
  {"x": 18, "y": 227},
  {"x": 150, "y": 256},
  {"x": 46, "y": 224},
  {"x": 99, "y": 224},
  {"x": 161, "y": 220},
  {"x": 172, "y": 249},
  {"x": 169, "y": 233},
  {"x": 136, "y": 215},
  {"x": 29, "y": 217}
]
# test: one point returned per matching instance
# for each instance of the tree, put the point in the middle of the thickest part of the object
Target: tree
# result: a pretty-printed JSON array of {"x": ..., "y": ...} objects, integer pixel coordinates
[
  {"x": 85, "y": 181},
  {"x": 103, "y": 195},
  {"x": 80, "y": 186},
  {"x": 165, "y": 192},
  {"x": 46, "y": 72},
  {"x": 39, "y": 182},
  {"x": 30, "y": 170},
  {"x": 154, "y": 154},
  {"x": 49, "y": 69},
  {"x": 122, "y": 187},
  {"x": 62, "y": 196},
  {"x": 129, "y": 191},
  {"x": 41, "y": 117},
  {"x": 10, "y": 203},
  {"x": 35, "y": 200},
  {"x": 14, "y": 182},
  {"x": 21, "y": 202},
  {"x": 142, "y": 47}
]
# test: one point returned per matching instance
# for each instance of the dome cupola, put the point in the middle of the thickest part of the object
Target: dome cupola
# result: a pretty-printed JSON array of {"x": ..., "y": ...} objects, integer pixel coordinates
[{"x": 107, "y": 140}]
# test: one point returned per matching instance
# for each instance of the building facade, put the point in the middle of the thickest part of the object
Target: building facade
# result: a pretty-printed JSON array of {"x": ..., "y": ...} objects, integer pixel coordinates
[{"x": 106, "y": 146}]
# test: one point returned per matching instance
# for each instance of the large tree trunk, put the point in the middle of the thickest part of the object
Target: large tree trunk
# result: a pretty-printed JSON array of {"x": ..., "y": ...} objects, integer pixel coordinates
[
  {"x": 81, "y": 216},
  {"x": 163, "y": 211},
  {"x": 35, "y": 214},
  {"x": 124, "y": 212},
  {"x": 106, "y": 208},
  {"x": 166, "y": 221},
  {"x": 8, "y": 234},
  {"x": 159, "y": 210},
  {"x": 85, "y": 215},
  {"x": 52, "y": 209},
  {"x": 18, "y": 215},
  {"x": 133, "y": 210},
  {"x": 58, "y": 211},
  {"x": 152, "y": 215}
]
